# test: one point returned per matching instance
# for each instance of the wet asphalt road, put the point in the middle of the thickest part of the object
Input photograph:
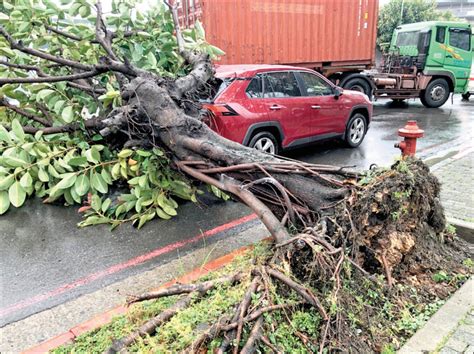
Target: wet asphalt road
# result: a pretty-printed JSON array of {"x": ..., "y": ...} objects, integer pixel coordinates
[{"x": 46, "y": 260}]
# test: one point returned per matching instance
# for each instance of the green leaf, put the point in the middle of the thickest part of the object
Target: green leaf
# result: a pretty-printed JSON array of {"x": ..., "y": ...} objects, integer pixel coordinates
[
  {"x": 67, "y": 180},
  {"x": 4, "y": 136},
  {"x": 93, "y": 155},
  {"x": 106, "y": 176},
  {"x": 97, "y": 181},
  {"x": 67, "y": 114},
  {"x": 43, "y": 176},
  {"x": 17, "y": 129},
  {"x": 162, "y": 214},
  {"x": 199, "y": 29},
  {"x": 16, "y": 194},
  {"x": 217, "y": 51},
  {"x": 4, "y": 202},
  {"x": 125, "y": 153},
  {"x": 6, "y": 182},
  {"x": 96, "y": 202},
  {"x": 4, "y": 18},
  {"x": 14, "y": 161},
  {"x": 82, "y": 185},
  {"x": 77, "y": 161},
  {"x": 94, "y": 220},
  {"x": 116, "y": 171},
  {"x": 106, "y": 204},
  {"x": 43, "y": 94},
  {"x": 151, "y": 59},
  {"x": 26, "y": 181}
]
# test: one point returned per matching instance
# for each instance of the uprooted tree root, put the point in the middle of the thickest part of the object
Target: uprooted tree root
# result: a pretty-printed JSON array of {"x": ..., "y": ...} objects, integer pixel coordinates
[{"x": 381, "y": 245}]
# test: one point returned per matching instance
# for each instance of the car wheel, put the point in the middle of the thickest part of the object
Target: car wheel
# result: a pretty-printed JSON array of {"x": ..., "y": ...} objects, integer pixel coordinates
[
  {"x": 436, "y": 93},
  {"x": 265, "y": 142},
  {"x": 360, "y": 85},
  {"x": 356, "y": 129}
]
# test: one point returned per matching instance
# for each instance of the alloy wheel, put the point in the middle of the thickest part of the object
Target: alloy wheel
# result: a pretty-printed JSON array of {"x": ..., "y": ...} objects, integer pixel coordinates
[
  {"x": 356, "y": 130},
  {"x": 265, "y": 144}
]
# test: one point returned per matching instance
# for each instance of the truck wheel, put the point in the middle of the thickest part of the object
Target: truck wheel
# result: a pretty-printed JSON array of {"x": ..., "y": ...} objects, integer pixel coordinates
[
  {"x": 359, "y": 84},
  {"x": 355, "y": 131},
  {"x": 465, "y": 96},
  {"x": 436, "y": 93},
  {"x": 265, "y": 142}
]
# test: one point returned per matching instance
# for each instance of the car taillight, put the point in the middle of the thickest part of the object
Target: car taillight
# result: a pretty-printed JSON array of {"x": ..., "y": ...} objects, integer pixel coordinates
[{"x": 221, "y": 110}]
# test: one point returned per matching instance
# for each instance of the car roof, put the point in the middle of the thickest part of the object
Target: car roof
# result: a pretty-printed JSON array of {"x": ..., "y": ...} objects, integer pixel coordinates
[{"x": 249, "y": 70}]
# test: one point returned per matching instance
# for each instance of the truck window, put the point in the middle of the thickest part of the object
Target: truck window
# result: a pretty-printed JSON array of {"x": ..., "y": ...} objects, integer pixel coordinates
[
  {"x": 407, "y": 38},
  {"x": 460, "y": 38},
  {"x": 440, "y": 34}
]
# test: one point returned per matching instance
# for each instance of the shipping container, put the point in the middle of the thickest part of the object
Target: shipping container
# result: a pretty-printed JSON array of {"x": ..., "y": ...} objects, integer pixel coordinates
[{"x": 329, "y": 35}]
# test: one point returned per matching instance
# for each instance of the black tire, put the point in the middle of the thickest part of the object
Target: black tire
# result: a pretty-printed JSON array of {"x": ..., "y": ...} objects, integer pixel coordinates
[
  {"x": 355, "y": 130},
  {"x": 436, "y": 93},
  {"x": 261, "y": 141},
  {"x": 465, "y": 96},
  {"x": 359, "y": 84}
]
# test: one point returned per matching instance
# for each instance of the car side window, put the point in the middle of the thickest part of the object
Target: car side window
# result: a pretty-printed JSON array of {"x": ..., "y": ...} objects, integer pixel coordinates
[
  {"x": 280, "y": 84},
  {"x": 460, "y": 38},
  {"x": 315, "y": 86},
  {"x": 255, "y": 89}
]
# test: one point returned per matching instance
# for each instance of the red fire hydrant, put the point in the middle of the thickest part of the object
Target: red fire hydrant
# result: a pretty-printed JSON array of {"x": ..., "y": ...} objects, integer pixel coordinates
[{"x": 410, "y": 132}]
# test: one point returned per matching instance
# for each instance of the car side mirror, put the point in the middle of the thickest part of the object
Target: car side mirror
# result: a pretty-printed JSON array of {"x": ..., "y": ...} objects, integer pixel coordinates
[{"x": 337, "y": 92}]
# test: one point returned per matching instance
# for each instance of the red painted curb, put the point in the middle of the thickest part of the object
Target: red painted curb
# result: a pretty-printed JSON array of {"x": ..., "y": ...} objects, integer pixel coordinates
[
  {"x": 121, "y": 266},
  {"x": 106, "y": 317}
]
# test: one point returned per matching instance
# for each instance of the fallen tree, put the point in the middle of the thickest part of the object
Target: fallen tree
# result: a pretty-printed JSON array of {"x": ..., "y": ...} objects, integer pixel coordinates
[{"x": 331, "y": 226}]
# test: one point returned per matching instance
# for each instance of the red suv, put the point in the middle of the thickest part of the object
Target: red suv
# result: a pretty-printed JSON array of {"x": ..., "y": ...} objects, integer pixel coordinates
[{"x": 275, "y": 107}]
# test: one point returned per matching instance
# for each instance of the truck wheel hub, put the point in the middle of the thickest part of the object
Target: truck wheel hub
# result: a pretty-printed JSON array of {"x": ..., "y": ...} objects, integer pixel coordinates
[{"x": 437, "y": 93}]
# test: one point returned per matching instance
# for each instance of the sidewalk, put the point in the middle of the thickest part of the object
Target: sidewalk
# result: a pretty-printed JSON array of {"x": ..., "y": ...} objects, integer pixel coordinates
[
  {"x": 451, "y": 329},
  {"x": 457, "y": 191}
]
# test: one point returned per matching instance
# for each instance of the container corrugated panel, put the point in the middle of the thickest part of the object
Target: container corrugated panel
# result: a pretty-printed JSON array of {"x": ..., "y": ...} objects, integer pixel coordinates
[{"x": 312, "y": 33}]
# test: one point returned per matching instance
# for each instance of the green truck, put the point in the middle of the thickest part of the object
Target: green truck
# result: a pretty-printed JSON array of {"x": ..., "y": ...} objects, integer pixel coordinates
[{"x": 426, "y": 60}]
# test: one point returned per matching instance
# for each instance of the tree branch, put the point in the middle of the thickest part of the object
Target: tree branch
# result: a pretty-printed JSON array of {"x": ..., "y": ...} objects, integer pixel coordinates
[
  {"x": 32, "y": 80},
  {"x": 34, "y": 117},
  {"x": 69, "y": 128},
  {"x": 40, "y": 54},
  {"x": 63, "y": 33},
  {"x": 87, "y": 88},
  {"x": 23, "y": 67},
  {"x": 104, "y": 40}
]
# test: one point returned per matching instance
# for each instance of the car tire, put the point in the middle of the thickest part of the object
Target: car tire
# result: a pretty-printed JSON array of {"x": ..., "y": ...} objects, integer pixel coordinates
[
  {"x": 265, "y": 142},
  {"x": 360, "y": 85},
  {"x": 435, "y": 94},
  {"x": 355, "y": 130}
]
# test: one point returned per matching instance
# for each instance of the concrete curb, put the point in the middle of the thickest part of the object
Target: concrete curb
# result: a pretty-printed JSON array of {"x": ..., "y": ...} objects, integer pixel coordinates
[
  {"x": 443, "y": 322},
  {"x": 107, "y": 316}
]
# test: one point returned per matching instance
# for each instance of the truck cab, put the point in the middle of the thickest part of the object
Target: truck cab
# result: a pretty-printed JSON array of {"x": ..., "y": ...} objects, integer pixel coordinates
[{"x": 428, "y": 60}]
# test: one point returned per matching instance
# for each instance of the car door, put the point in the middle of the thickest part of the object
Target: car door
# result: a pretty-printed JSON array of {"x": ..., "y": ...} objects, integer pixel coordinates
[
  {"x": 285, "y": 104},
  {"x": 327, "y": 115}
]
